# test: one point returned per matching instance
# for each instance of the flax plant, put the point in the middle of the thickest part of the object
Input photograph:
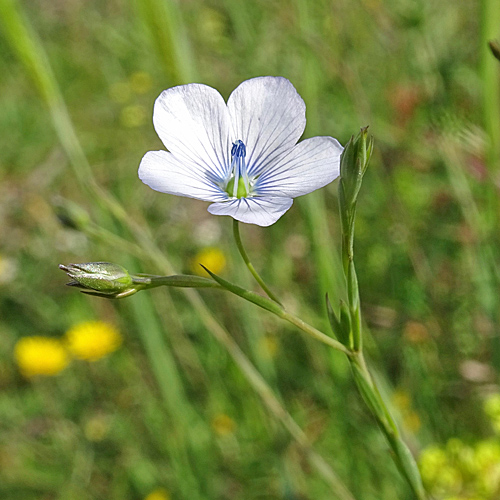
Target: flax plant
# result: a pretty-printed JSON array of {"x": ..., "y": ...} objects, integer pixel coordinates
[
  {"x": 257, "y": 193},
  {"x": 29, "y": 49},
  {"x": 346, "y": 324}
]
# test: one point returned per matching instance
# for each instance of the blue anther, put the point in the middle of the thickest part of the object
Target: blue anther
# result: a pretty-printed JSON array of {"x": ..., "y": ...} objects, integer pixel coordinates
[{"x": 238, "y": 150}]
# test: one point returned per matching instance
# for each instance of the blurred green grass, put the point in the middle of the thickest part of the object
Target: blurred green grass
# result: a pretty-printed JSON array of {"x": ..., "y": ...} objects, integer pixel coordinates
[{"x": 427, "y": 234}]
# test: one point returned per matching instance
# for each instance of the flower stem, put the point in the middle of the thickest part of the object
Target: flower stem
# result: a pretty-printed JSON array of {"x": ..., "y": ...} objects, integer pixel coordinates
[
  {"x": 401, "y": 454},
  {"x": 352, "y": 168},
  {"x": 315, "y": 333},
  {"x": 255, "y": 274}
]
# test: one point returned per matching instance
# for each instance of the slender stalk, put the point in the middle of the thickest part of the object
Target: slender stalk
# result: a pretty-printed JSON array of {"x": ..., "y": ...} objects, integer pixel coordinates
[
  {"x": 164, "y": 21},
  {"x": 315, "y": 333},
  {"x": 279, "y": 311},
  {"x": 490, "y": 23},
  {"x": 401, "y": 454},
  {"x": 243, "y": 253},
  {"x": 352, "y": 168}
]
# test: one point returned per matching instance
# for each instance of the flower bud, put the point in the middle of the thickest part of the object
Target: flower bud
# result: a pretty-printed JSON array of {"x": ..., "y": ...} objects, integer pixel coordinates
[
  {"x": 353, "y": 165},
  {"x": 103, "y": 279}
]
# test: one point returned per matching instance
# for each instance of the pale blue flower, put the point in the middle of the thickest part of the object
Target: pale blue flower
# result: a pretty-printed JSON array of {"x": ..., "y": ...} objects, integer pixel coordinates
[{"x": 243, "y": 157}]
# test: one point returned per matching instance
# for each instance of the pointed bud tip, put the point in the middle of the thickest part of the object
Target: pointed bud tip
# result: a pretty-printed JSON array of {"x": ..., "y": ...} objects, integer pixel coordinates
[
  {"x": 104, "y": 279},
  {"x": 353, "y": 164}
]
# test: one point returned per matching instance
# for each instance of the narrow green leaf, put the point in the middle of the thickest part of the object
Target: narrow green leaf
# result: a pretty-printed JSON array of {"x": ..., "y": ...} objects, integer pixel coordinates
[
  {"x": 369, "y": 394},
  {"x": 332, "y": 317},
  {"x": 407, "y": 465},
  {"x": 246, "y": 294},
  {"x": 345, "y": 324}
]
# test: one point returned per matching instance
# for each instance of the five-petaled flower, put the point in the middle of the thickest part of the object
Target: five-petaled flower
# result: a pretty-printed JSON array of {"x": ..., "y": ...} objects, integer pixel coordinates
[{"x": 243, "y": 157}]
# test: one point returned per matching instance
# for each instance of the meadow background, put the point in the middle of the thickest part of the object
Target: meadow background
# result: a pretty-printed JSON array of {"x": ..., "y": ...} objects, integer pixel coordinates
[{"x": 177, "y": 411}]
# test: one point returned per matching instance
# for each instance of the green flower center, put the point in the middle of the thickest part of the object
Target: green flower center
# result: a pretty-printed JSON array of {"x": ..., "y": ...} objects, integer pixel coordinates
[
  {"x": 238, "y": 185},
  {"x": 241, "y": 191}
]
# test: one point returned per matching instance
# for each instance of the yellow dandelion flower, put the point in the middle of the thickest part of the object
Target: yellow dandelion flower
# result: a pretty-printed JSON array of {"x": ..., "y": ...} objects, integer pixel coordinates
[
  {"x": 158, "y": 494},
  {"x": 141, "y": 82},
  {"x": 223, "y": 424},
  {"x": 92, "y": 340},
  {"x": 212, "y": 258},
  {"x": 39, "y": 355}
]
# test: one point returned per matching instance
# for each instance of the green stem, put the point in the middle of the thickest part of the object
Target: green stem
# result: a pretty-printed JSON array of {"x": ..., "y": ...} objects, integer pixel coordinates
[
  {"x": 315, "y": 333},
  {"x": 177, "y": 280},
  {"x": 279, "y": 311},
  {"x": 490, "y": 22},
  {"x": 255, "y": 274},
  {"x": 401, "y": 454}
]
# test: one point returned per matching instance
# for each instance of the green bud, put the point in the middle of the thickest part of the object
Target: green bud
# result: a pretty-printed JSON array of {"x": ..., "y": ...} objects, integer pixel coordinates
[
  {"x": 103, "y": 279},
  {"x": 353, "y": 164}
]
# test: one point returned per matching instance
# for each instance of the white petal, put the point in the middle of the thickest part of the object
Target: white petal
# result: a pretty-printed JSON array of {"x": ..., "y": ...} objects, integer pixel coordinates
[
  {"x": 260, "y": 211},
  {"x": 310, "y": 165},
  {"x": 163, "y": 172},
  {"x": 193, "y": 122},
  {"x": 269, "y": 116}
]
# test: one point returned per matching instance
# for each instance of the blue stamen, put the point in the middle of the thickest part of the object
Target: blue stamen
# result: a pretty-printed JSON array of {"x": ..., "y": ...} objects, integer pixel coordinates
[
  {"x": 239, "y": 150},
  {"x": 239, "y": 171}
]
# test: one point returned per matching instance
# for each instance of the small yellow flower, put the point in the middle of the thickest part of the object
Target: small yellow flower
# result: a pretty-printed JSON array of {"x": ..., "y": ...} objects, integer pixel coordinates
[
  {"x": 158, "y": 494},
  {"x": 133, "y": 115},
  {"x": 140, "y": 82},
  {"x": 212, "y": 258},
  {"x": 223, "y": 424},
  {"x": 92, "y": 340},
  {"x": 39, "y": 355}
]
